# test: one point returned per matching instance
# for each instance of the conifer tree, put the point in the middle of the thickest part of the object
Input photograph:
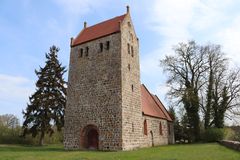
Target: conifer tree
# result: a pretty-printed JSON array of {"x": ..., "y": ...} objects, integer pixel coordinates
[{"x": 46, "y": 106}]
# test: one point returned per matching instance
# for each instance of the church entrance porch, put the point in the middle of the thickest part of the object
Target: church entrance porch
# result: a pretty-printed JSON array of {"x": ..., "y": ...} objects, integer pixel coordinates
[{"x": 90, "y": 137}]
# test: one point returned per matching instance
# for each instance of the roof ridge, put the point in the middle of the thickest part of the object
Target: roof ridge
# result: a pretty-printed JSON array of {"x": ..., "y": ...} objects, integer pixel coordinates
[
  {"x": 104, "y": 21},
  {"x": 99, "y": 30},
  {"x": 163, "y": 106},
  {"x": 158, "y": 105},
  {"x": 154, "y": 100}
]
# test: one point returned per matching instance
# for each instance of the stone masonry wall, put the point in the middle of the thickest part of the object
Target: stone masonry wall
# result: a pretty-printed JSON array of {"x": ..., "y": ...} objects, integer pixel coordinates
[
  {"x": 231, "y": 144},
  {"x": 104, "y": 93},
  {"x": 131, "y": 96},
  {"x": 94, "y": 94},
  {"x": 156, "y": 138}
]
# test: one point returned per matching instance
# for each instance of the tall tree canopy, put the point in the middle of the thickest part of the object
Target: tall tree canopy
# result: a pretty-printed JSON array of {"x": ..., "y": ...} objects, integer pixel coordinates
[
  {"x": 186, "y": 69},
  {"x": 200, "y": 80},
  {"x": 46, "y": 106}
]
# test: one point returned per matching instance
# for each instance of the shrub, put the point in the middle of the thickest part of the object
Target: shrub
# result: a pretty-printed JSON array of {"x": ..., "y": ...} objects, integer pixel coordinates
[
  {"x": 213, "y": 135},
  {"x": 13, "y": 136},
  {"x": 229, "y": 133}
]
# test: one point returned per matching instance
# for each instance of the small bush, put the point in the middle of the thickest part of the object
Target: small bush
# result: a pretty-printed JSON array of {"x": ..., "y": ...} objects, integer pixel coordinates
[
  {"x": 229, "y": 134},
  {"x": 213, "y": 135},
  {"x": 13, "y": 136}
]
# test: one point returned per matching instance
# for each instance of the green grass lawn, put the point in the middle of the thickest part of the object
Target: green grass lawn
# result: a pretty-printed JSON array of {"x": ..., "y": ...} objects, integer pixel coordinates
[{"x": 173, "y": 152}]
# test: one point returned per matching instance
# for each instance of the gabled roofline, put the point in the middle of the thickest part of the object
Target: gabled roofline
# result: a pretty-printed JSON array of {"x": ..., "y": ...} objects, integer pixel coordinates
[
  {"x": 163, "y": 107},
  {"x": 155, "y": 103},
  {"x": 74, "y": 43}
]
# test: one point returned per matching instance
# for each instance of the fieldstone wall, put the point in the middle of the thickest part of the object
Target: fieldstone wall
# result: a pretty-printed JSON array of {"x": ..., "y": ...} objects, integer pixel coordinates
[
  {"x": 94, "y": 94},
  {"x": 231, "y": 144},
  {"x": 131, "y": 93},
  {"x": 153, "y": 137},
  {"x": 104, "y": 94}
]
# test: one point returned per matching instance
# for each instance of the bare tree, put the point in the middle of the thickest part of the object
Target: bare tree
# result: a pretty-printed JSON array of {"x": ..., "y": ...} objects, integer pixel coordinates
[
  {"x": 216, "y": 68},
  {"x": 200, "y": 79},
  {"x": 186, "y": 71},
  {"x": 9, "y": 121}
]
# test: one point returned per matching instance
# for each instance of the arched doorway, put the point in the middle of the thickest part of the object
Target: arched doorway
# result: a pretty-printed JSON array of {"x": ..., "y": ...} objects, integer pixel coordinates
[
  {"x": 151, "y": 133},
  {"x": 90, "y": 138}
]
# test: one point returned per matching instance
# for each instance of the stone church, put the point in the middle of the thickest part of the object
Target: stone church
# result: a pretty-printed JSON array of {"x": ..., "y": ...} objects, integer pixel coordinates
[{"x": 107, "y": 106}]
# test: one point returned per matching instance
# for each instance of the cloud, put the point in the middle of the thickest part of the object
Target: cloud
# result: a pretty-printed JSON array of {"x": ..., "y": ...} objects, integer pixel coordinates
[
  {"x": 229, "y": 37},
  {"x": 79, "y": 7},
  {"x": 14, "y": 93},
  {"x": 171, "y": 21},
  {"x": 181, "y": 20},
  {"x": 14, "y": 88}
]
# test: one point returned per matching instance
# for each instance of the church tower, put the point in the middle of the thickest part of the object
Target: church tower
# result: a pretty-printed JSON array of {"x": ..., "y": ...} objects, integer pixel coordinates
[{"x": 103, "y": 108}]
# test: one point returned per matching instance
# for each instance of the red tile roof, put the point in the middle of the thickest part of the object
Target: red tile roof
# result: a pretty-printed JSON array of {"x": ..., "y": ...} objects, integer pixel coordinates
[
  {"x": 99, "y": 30},
  {"x": 162, "y": 107},
  {"x": 152, "y": 106}
]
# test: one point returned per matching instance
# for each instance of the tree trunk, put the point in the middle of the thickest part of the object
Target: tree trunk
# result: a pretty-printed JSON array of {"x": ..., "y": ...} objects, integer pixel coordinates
[
  {"x": 209, "y": 99},
  {"x": 41, "y": 140}
]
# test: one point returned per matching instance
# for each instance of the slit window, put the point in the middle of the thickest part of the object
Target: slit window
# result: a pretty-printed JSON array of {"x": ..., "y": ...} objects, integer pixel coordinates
[
  {"x": 132, "y": 127},
  {"x": 160, "y": 129},
  {"x": 132, "y": 51},
  {"x": 107, "y": 45},
  {"x": 101, "y": 47},
  {"x": 80, "y": 54},
  {"x": 128, "y": 48},
  {"x": 145, "y": 127},
  {"x": 129, "y": 67},
  {"x": 86, "y": 52},
  {"x": 132, "y": 88}
]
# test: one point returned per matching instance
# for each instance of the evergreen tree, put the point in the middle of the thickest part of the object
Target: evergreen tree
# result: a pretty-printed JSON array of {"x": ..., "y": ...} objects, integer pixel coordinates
[{"x": 46, "y": 107}]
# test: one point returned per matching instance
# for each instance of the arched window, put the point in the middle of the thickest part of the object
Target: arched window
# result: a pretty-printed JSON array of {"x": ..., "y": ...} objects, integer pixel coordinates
[
  {"x": 145, "y": 127},
  {"x": 160, "y": 129}
]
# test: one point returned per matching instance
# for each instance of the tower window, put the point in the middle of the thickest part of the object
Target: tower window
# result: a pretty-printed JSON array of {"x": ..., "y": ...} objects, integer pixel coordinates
[
  {"x": 160, "y": 129},
  {"x": 101, "y": 47},
  {"x": 80, "y": 53},
  {"x": 87, "y": 49},
  {"x": 107, "y": 45},
  {"x": 129, "y": 24},
  {"x": 129, "y": 67},
  {"x": 132, "y": 51},
  {"x": 132, "y": 127},
  {"x": 128, "y": 48},
  {"x": 132, "y": 88},
  {"x": 145, "y": 127}
]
